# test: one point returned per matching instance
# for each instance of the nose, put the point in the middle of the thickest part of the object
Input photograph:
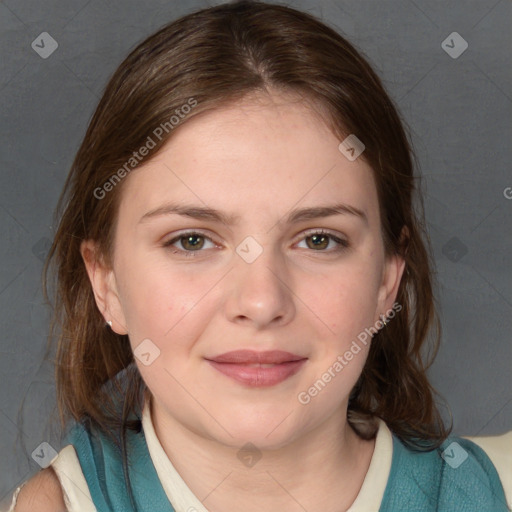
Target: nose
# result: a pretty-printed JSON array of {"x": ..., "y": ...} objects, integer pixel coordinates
[{"x": 261, "y": 292}]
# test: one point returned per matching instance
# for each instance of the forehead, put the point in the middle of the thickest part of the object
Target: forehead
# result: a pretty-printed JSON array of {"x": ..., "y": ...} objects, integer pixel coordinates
[{"x": 265, "y": 154}]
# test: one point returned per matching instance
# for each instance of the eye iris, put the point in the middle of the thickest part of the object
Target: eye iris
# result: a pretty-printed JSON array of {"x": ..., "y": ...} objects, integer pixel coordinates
[
  {"x": 319, "y": 241},
  {"x": 193, "y": 242}
]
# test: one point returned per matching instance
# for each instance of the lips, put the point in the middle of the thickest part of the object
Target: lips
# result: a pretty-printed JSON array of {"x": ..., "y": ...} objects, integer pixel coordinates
[
  {"x": 252, "y": 357},
  {"x": 258, "y": 369}
]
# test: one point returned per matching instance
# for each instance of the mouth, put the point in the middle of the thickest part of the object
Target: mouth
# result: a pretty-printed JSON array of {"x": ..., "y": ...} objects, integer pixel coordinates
[{"x": 258, "y": 369}]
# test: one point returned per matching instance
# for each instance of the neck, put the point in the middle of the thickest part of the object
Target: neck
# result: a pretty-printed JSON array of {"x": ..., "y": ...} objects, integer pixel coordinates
[{"x": 322, "y": 470}]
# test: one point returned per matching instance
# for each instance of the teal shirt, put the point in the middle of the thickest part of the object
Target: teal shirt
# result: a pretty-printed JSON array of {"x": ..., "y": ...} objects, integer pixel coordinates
[{"x": 455, "y": 478}]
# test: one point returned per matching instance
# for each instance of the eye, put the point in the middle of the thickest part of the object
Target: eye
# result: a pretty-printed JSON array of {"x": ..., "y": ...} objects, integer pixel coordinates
[
  {"x": 324, "y": 241},
  {"x": 189, "y": 242}
]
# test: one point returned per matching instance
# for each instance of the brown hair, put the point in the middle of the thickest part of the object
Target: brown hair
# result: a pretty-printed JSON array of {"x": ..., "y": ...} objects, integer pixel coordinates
[{"x": 216, "y": 56}]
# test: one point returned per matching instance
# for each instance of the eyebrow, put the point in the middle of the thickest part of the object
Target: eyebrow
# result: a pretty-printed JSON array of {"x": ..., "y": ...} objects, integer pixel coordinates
[
  {"x": 301, "y": 214},
  {"x": 293, "y": 217},
  {"x": 192, "y": 211}
]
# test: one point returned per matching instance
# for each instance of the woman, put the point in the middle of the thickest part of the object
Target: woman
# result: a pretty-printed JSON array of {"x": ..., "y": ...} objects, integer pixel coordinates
[{"x": 243, "y": 289}]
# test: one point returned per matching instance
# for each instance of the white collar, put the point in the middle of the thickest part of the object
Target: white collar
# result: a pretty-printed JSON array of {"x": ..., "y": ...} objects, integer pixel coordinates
[{"x": 183, "y": 500}]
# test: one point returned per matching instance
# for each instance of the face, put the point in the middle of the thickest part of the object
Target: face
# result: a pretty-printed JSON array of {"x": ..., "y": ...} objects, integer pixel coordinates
[{"x": 248, "y": 257}]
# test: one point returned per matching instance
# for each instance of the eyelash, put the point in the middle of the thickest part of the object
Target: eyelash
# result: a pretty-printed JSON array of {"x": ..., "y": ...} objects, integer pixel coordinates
[{"x": 342, "y": 244}]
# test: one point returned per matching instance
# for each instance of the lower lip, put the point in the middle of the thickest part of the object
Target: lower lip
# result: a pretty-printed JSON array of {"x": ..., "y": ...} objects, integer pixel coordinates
[{"x": 257, "y": 376}]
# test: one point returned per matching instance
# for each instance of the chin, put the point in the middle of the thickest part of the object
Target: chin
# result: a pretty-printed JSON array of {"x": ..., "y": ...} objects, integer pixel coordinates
[
  {"x": 268, "y": 430},
  {"x": 257, "y": 438}
]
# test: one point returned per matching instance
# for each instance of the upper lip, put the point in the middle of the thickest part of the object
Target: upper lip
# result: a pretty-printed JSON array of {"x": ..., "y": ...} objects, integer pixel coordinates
[{"x": 252, "y": 357}]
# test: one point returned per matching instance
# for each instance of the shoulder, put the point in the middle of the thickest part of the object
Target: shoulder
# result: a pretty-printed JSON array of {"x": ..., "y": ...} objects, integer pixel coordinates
[
  {"x": 470, "y": 474},
  {"x": 458, "y": 476},
  {"x": 43, "y": 493},
  {"x": 499, "y": 450}
]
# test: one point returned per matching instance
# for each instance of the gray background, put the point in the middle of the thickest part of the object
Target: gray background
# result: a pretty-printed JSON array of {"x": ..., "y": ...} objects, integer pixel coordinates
[{"x": 460, "y": 116}]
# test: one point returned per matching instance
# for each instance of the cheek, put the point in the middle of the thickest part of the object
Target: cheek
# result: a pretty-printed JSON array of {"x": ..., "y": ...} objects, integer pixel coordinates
[
  {"x": 165, "y": 303},
  {"x": 347, "y": 300},
  {"x": 148, "y": 303}
]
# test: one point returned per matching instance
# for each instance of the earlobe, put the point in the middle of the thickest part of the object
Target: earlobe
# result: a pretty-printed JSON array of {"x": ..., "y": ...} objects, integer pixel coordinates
[{"x": 103, "y": 283}]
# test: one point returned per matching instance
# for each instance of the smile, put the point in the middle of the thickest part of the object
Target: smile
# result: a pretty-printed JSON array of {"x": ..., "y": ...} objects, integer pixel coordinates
[{"x": 258, "y": 369}]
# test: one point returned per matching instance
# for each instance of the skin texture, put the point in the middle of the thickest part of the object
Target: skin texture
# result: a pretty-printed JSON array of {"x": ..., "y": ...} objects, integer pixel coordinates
[
  {"x": 42, "y": 493},
  {"x": 258, "y": 160}
]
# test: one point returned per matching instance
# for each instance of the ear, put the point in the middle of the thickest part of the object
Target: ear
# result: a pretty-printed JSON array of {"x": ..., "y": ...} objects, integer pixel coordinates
[
  {"x": 104, "y": 286},
  {"x": 394, "y": 267}
]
